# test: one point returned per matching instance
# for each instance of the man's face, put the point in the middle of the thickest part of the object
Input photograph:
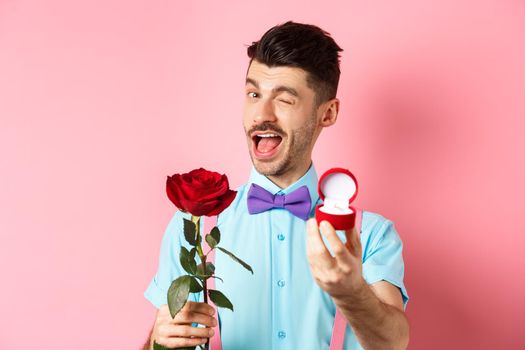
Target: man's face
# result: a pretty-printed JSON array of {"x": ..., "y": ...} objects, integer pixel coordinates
[{"x": 280, "y": 118}]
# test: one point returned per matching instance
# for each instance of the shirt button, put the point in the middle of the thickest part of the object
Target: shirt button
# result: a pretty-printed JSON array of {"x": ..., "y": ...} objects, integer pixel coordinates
[
  {"x": 281, "y": 335},
  {"x": 280, "y": 283},
  {"x": 280, "y": 237}
]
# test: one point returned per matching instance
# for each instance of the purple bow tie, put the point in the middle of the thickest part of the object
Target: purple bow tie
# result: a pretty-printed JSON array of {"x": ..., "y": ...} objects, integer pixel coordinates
[{"x": 297, "y": 202}]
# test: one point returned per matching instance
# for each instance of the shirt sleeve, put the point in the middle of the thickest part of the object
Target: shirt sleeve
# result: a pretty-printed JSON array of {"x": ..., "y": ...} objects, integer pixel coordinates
[
  {"x": 169, "y": 265},
  {"x": 383, "y": 254}
]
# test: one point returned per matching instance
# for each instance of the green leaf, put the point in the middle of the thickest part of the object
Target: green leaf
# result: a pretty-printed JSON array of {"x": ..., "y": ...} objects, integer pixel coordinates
[
  {"x": 211, "y": 241},
  {"x": 160, "y": 347},
  {"x": 210, "y": 269},
  {"x": 190, "y": 230},
  {"x": 217, "y": 277},
  {"x": 193, "y": 252},
  {"x": 231, "y": 255},
  {"x": 187, "y": 262},
  {"x": 216, "y": 234},
  {"x": 220, "y": 299},
  {"x": 178, "y": 294},
  {"x": 195, "y": 286}
]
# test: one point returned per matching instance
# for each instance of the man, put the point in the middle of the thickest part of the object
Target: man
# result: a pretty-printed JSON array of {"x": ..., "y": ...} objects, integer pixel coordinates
[{"x": 291, "y": 300}]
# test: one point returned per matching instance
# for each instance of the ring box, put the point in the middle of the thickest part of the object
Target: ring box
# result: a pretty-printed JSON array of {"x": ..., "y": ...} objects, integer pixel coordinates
[{"x": 337, "y": 188}]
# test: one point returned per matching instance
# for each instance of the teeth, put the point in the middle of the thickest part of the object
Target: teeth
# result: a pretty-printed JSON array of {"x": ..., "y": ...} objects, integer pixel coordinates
[{"x": 267, "y": 135}]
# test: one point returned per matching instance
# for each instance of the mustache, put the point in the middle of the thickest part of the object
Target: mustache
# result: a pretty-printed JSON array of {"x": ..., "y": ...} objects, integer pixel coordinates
[{"x": 266, "y": 127}]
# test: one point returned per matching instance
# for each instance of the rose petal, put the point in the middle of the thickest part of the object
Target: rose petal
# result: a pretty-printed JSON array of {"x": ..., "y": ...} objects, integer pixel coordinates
[
  {"x": 223, "y": 203},
  {"x": 200, "y": 192},
  {"x": 199, "y": 208},
  {"x": 173, "y": 195}
]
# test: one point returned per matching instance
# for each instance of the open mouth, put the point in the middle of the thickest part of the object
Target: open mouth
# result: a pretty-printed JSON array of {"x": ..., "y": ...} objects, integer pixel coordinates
[{"x": 266, "y": 144}]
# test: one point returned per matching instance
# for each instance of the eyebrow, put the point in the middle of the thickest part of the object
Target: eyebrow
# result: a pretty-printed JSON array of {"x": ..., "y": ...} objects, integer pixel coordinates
[{"x": 280, "y": 88}]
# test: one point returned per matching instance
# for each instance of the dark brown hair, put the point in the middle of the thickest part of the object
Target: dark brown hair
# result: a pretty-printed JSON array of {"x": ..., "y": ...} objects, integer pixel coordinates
[{"x": 304, "y": 46}]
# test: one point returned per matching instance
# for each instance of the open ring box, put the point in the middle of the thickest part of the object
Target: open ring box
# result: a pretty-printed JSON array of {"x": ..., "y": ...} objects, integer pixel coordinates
[{"x": 337, "y": 188}]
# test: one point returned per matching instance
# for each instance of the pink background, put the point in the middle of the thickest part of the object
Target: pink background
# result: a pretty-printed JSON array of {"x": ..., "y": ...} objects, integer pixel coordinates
[{"x": 100, "y": 100}]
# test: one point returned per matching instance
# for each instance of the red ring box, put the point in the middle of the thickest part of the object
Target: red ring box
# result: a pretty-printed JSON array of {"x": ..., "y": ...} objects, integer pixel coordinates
[{"x": 337, "y": 188}]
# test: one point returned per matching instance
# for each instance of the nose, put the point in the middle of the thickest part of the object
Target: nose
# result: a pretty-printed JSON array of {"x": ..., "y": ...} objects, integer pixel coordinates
[{"x": 264, "y": 112}]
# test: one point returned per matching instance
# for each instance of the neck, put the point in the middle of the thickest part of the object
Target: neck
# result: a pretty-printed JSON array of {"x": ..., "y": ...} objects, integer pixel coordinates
[{"x": 291, "y": 176}]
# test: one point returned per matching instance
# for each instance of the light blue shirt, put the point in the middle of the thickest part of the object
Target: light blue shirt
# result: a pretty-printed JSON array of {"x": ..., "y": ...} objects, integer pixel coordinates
[{"x": 280, "y": 306}]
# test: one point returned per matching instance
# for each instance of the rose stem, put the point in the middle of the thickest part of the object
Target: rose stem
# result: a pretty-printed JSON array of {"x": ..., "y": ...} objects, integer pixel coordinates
[{"x": 197, "y": 221}]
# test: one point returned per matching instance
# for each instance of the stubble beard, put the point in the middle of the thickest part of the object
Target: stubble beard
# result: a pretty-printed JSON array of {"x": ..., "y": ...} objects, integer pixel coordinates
[{"x": 298, "y": 143}]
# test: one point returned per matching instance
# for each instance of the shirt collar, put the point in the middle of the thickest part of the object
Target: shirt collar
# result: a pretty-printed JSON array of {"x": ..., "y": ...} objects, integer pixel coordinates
[{"x": 309, "y": 179}]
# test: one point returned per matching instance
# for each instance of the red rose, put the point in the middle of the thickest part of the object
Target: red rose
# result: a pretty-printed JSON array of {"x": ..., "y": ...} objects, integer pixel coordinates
[{"x": 200, "y": 192}]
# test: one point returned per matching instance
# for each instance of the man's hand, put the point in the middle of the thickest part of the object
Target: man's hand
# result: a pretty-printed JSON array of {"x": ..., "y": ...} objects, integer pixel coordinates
[
  {"x": 178, "y": 332},
  {"x": 339, "y": 275},
  {"x": 375, "y": 313}
]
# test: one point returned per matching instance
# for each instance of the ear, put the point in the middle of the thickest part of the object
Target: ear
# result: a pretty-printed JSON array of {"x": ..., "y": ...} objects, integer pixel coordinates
[{"x": 330, "y": 109}]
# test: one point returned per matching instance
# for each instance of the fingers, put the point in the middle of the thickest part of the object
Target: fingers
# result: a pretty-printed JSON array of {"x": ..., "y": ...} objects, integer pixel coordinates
[
  {"x": 175, "y": 336},
  {"x": 353, "y": 242},
  {"x": 315, "y": 247},
  {"x": 174, "y": 343},
  {"x": 185, "y": 331},
  {"x": 189, "y": 317},
  {"x": 342, "y": 256},
  {"x": 179, "y": 332},
  {"x": 202, "y": 308},
  {"x": 192, "y": 312}
]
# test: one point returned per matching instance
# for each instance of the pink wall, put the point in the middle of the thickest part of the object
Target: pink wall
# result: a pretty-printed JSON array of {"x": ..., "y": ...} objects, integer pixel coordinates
[{"x": 100, "y": 101}]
